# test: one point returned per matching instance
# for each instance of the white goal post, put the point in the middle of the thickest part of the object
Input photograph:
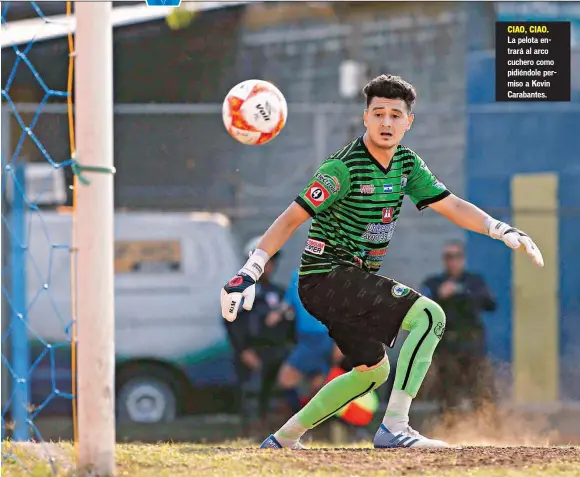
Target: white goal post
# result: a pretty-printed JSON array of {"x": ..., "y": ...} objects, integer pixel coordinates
[
  {"x": 93, "y": 229},
  {"x": 93, "y": 238}
]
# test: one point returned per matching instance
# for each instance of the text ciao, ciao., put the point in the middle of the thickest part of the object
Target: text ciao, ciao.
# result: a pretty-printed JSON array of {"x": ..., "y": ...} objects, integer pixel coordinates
[{"x": 530, "y": 29}]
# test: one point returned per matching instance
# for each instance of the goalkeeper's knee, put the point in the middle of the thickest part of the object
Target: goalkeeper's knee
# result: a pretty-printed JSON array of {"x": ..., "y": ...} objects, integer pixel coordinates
[
  {"x": 427, "y": 316},
  {"x": 425, "y": 322},
  {"x": 376, "y": 374}
]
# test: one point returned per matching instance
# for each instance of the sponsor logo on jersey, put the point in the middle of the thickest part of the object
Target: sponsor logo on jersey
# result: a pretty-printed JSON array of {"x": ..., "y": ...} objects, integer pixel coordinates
[
  {"x": 438, "y": 184},
  {"x": 317, "y": 194},
  {"x": 375, "y": 257},
  {"x": 399, "y": 290},
  {"x": 331, "y": 182},
  {"x": 315, "y": 246},
  {"x": 367, "y": 189},
  {"x": 377, "y": 233},
  {"x": 404, "y": 181},
  {"x": 388, "y": 188},
  {"x": 388, "y": 213},
  {"x": 376, "y": 254}
]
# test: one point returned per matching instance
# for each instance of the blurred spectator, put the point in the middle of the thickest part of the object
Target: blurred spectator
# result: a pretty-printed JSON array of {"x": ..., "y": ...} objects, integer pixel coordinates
[
  {"x": 311, "y": 357},
  {"x": 261, "y": 339},
  {"x": 460, "y": 361}
]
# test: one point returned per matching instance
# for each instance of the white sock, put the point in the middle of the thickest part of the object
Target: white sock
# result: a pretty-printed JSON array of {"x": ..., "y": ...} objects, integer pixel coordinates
[
  {"x": 290, "y": 433},
  {"x": 397, "y": 413}
]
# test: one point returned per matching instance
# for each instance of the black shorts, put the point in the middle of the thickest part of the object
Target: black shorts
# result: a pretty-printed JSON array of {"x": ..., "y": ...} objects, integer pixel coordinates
[{"x": 361, "y": 310}]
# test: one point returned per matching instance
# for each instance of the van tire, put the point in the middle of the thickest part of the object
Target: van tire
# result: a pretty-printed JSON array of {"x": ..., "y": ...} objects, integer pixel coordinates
[{"x": 147, "y": 396}]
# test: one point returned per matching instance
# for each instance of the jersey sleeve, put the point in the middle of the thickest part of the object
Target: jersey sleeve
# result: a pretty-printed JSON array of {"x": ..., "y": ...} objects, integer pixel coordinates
[
  {"x": 330, "y": 183},
  {"x": 423, "y": 187}
]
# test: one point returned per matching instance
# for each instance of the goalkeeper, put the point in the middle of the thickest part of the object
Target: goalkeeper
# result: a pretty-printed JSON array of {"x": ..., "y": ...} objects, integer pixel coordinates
[{"x": 355, "y": 198}]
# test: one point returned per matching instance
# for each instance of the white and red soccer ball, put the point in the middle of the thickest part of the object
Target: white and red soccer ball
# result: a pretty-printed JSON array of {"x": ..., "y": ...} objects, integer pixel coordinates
[{"x": 254, "y": 112}]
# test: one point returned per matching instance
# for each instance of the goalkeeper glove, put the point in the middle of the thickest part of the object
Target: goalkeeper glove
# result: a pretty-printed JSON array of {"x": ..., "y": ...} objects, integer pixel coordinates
[
  {"x": 243, "y": 286},
  {"x": 514, "y": 238}
]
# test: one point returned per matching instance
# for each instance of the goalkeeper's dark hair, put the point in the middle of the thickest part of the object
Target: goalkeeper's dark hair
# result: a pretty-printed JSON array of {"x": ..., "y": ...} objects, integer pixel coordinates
[{"x": 391, "y": 87}]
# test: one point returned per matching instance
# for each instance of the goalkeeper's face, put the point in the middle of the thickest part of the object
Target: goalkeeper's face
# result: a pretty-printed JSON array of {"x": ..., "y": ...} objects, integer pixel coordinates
[{"x": 387, "y": 121}]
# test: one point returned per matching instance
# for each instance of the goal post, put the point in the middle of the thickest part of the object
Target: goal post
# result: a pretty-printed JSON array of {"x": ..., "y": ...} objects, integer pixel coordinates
[
  {"x": 93, "y": 237},
  {"x": 91, "y": 250}
]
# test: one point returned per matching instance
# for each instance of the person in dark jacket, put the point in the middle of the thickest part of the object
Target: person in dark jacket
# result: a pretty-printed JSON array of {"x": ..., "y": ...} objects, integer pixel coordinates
[
  {"x": 261, "y": 342},
  {"x": 462, "y": 369}
]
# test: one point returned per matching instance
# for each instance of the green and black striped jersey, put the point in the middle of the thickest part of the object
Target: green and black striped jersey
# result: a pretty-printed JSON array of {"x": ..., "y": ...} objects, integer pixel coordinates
[{"x": 355, "y": 204}]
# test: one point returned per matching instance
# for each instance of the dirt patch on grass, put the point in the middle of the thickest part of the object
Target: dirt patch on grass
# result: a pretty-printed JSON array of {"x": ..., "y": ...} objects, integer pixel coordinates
[
  {"x": 419, "y": 460},
  {"x": 240, "y": 460},
  {"x": 493, "y": 427}
]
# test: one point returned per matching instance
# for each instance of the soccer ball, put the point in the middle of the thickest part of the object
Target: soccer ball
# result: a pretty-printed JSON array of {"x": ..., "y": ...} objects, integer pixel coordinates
[{"x": 254, "y": 112}]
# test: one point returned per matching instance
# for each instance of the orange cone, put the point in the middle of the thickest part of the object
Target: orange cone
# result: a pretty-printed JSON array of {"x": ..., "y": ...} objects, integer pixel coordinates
[{"x": 359, "y": 412}]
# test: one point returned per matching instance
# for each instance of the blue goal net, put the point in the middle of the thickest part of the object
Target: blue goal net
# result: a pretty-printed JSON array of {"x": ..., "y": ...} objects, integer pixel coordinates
[{"x": 37, "y": 306}]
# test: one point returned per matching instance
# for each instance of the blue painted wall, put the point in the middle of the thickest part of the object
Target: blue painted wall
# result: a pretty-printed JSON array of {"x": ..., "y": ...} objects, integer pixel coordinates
[{"x": 504, "y": 139}]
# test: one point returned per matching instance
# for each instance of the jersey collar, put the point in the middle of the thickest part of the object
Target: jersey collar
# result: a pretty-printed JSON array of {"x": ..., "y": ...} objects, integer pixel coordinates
[{"x": 384, "y": 170}]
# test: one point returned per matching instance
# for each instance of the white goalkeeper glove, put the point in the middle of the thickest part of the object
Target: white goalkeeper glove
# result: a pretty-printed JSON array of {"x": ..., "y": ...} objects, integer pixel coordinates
[
  {"x": 514, "y": 238},
  {"x": 243, "y": 286}
]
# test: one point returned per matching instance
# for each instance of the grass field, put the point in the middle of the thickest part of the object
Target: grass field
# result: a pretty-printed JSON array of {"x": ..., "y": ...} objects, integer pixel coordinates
[
  {"x": 239, "y": 459},
  {"x": 521, "y": 445}
]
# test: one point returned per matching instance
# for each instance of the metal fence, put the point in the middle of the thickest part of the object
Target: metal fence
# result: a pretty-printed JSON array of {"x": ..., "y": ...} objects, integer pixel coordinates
[{"x": 179, "y": 156}]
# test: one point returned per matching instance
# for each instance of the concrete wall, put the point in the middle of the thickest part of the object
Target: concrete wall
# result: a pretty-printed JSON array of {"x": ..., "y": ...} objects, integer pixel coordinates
[{"x": 422, "y": 42}]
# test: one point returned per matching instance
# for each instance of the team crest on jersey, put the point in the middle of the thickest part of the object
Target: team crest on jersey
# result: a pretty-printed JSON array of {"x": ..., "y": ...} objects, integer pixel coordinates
[
  {"x": 388, "y": 213},
  {"x": 399, "y": 290},
  {"x": 314, "y": 246},
  {"x": 367, "y": 189},
  {"x": 317, "y": 194},
  {"x": 403, "y": 181}
]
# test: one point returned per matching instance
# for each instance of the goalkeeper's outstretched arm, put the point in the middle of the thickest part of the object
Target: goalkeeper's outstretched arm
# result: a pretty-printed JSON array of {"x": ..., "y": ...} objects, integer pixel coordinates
[
  {"x": 282, "y": 229},
  {"x": 243, "y": 284},
  {"x": 471, "y": 217}
]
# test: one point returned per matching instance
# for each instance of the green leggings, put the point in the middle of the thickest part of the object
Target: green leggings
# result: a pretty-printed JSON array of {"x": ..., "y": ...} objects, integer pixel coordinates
[{"x": 425, "y": 323}]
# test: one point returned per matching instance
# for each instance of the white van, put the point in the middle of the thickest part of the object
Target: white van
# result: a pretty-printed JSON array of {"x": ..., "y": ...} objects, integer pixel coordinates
[{"x": 172, "y": 351}]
